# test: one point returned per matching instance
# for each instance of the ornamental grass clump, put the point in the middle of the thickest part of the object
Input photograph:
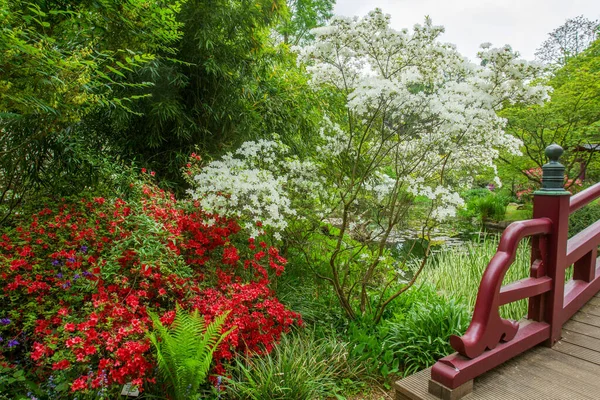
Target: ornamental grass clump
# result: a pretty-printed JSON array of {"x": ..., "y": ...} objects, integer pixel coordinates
[
  {"x": 80, "y": 276},
  {"x": 301, "y": 366}
]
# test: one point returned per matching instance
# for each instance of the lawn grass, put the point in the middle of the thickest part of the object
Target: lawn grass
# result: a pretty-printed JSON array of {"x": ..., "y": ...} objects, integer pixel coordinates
[{"x": 514, "y": 214}]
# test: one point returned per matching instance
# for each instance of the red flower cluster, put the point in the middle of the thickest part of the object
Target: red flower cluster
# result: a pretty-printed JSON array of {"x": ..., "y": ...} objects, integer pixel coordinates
[{"x": 78, "y": 278}]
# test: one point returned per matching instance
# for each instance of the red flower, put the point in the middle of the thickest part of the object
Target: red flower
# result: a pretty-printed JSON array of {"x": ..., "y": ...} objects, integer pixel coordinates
[
  {"x": 79, "y": 384},
  {"x": 230, "y": 256},
  {"x": 63, "y": 364},
  {"x": 168, "y": 318}
]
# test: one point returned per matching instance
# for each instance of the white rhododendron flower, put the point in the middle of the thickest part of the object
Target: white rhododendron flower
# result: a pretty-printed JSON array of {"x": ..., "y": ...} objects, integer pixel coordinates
[{"x": 254, "y": 185}]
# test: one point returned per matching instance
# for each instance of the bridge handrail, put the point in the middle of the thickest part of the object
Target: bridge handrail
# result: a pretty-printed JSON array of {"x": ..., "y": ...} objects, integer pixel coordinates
[
  {"x": 487, "y": 329},
  {"x": 491, "y": 340},
  {"x": 584, "y": 197}
]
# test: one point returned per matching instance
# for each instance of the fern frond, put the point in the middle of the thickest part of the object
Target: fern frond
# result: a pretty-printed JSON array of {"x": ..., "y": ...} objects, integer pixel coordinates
[{"x": 184, "y": 351}]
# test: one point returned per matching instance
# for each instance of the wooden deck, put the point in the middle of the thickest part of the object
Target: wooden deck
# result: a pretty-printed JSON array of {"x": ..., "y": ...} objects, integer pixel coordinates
[{"x": 569, "y": 370}]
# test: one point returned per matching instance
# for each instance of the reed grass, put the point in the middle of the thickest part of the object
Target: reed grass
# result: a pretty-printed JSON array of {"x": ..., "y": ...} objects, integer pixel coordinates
[{"x": 457, "y": 272}]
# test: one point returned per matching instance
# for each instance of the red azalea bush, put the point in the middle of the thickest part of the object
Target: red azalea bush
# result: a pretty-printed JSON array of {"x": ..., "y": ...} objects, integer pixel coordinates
[{"x": 78, "y": 277}]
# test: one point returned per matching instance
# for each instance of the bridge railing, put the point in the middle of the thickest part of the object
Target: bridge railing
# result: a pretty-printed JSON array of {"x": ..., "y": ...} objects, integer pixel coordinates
[{"x": 491, "y": 340}]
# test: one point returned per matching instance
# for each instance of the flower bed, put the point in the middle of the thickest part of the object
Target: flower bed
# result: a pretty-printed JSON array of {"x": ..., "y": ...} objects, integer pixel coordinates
[{"x": 79, "y": 276}]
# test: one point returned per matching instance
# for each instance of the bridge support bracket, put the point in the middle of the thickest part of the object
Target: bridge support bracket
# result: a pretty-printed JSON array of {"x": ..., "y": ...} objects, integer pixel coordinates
[{"x": 445, "y": 393}]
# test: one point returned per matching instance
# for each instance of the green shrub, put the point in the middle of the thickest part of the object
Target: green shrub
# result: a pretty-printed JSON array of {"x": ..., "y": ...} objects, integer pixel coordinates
[
  {"x": 414, "y": 337},
  {"x": 314, "y": 300},
  {"x": 301, "y": 366},
  {"x": 491, "y": 207},
  {"x": 457, "y": 272},
  {"x": 583, "y": 218},
  {"x": 484, "y": 205},
  {"x": 366, "y": 348},
  {"x": 420, "y": 336},
  {"x": 476, "y": 193}
]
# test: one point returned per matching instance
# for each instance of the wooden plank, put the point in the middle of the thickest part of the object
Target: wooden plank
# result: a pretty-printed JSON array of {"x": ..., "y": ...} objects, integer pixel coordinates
[
  {"x": 582, "y": 328},
  {"x": 567, "y": 375},
  {"x": 591, "y": 309},
  {"x": 505, "y": 382},
  {"x": 583, "y": 242},
  {"x": 579, "y": 352},
  {"x": 526, "y": 377},
  {"x": 595, "y": 300},
  {"x": 524, "y": 289},
  {"x": 414, "y": 387},
  {"x": 580, "y": 340},
  {"x": 577, "y": 294},
  {"x": 512, "y": 382},
  {"x": 586, "y": 318},
  {"x": 533, "y": 378}
]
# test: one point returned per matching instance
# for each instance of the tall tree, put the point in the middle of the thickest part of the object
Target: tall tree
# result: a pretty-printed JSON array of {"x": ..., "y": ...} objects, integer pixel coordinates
[
  {"x": 568, "y": 40},
  {"x": 410, "y": 116},
  {"x": 226, "y": 83},
  {"x": 571, "y": 118},
  {"x": 304, "y": 15}
]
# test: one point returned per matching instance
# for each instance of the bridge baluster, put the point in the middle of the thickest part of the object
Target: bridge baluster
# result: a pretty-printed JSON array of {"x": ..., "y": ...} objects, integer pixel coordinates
[{"x": 491, "y": 340}]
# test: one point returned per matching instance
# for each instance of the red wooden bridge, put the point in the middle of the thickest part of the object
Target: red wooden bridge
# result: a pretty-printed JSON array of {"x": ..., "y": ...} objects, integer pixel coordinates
[{"x": 555, "y": 352}]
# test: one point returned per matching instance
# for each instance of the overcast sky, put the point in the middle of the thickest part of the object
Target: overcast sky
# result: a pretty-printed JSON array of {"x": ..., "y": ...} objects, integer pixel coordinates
[{"x": 524, "y": 24}]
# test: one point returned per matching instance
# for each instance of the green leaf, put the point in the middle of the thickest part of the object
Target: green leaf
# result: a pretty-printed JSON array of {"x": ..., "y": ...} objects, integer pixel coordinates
[{"x": 115, "y": 71}]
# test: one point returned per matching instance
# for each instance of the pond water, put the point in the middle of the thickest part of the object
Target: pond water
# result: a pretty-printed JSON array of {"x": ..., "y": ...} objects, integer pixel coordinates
[{"x": 408, "y": 242}]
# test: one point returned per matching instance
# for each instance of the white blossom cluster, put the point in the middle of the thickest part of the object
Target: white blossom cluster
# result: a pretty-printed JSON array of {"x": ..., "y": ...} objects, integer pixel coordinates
[
  {"x": 420, "y": 116},
  {"x": 254, "y": 184},
  {"x": 444, "y": 199},
  {"x": 380, "y": 184}
]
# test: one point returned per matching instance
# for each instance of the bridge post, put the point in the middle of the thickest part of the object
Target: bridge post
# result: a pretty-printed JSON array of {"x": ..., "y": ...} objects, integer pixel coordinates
[{"x": 551, "y": 201}]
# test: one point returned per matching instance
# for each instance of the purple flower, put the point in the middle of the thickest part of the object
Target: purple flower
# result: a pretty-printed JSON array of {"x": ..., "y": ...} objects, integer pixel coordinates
[
  {"x": 56, "y": 262},
  {"x": 59, "y": 275},
  {"x": 1, "y": 339},
  {"x": 84, "y": 249},
  {"x": 87, "y": 274},
  {"x": 4, "y": 321},
  {"x": 66, "y": 285},
  {"x": 72, "y": 259},
  {"x": 13, "y": 343},
  {"x": 76, "y": 277}
]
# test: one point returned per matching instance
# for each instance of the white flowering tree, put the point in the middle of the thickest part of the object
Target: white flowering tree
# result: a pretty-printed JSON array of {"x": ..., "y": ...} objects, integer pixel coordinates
[
  {"x": 416, "y": 121},
  {"x": 256, "y": 184}
]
